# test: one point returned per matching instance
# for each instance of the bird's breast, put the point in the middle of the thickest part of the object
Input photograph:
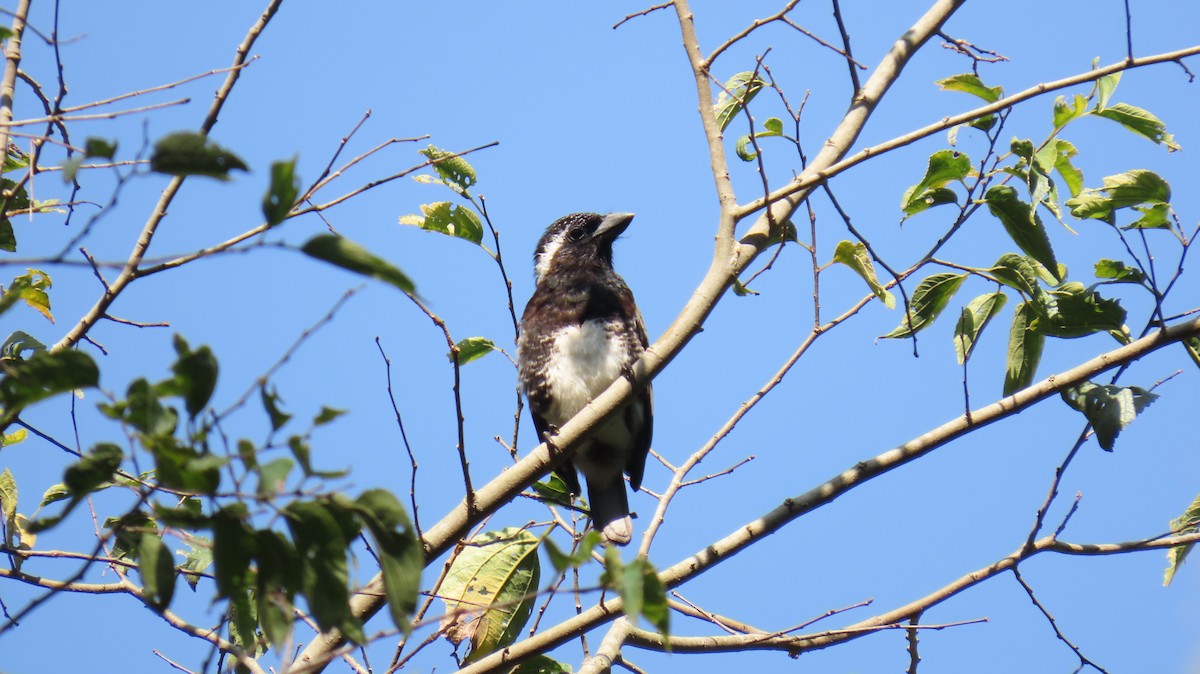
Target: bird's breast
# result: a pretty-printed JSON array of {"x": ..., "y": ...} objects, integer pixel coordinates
[{"x": 586, "y": 358}]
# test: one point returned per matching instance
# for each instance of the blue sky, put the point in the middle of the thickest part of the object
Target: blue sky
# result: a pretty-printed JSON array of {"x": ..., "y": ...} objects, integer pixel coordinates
[{"x": 589, "y": 118}]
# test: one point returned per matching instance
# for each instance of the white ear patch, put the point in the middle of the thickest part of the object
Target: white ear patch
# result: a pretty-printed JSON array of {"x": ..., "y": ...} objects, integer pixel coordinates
[{"x": 546, "y": 257}]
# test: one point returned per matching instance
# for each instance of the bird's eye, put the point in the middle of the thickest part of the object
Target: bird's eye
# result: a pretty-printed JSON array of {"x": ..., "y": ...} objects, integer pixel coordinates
[{"x": 576, "y": 234}]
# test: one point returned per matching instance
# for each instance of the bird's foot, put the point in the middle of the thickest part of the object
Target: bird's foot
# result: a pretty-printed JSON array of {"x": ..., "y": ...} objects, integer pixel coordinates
[
  {"x": 548, "y": 437},
  {"x": 628, "y": 373}
]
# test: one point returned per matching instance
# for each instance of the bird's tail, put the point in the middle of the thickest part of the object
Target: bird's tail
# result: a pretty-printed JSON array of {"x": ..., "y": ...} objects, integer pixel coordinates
[{"x": 610, "y": 510}]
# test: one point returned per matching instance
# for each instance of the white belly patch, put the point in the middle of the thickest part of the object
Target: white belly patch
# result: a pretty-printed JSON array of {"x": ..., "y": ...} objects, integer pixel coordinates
[{"x": 587, "y": 358}]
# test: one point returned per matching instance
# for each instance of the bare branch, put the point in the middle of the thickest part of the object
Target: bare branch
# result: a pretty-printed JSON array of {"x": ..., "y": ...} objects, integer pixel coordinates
[
  {"x": 12, "y": 65},
  {"x": 1083, "y": 659},
  {"x": 644, "y": 12},
  {"x": 129, "y": 272}
]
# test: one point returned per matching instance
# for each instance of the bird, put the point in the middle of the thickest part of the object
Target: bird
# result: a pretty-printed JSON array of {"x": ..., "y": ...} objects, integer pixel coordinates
[{"x": 580, "y": 331}]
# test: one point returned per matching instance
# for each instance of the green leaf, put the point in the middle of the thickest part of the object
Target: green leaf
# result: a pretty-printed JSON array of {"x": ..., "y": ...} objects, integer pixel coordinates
[
  {"x": 1108, "y": 408},
  {"x": 15, "y": 198},
  {"x": 741, "y": 290},
  {"x": 1023, "y": 225},
  {"x": 233, "y": 550},
  {"x": 1124, "y": 190},
  {"x": 283, "y": 192},
  {"x": 1024, "y": 350},
  {"x": 944, "y": 167},
  {"x": 1141, "y": 122},
  {"x": 582, "y": 554},
  {"x": 30, "y": 287},
  {"x": 401, "y": 556},
  {"x": 326, "y": 415},
  {"x": 1187, "y": 523},
  {"x": 471, "y": 348},
  {"x": 17, "y": 344},
  {"x": 321, "y": 543},
  {"x": 1065, "y": 113},
  {"x": 8, "y": 500},
  {"x": 93, "y": 472},
  {"x": 1075, "y": 311},
  {"x": 13, "y": 438},
  {"x": 738, "y": 92},
  {"x": 127, "y": 531},
  {"x": 1118, "y": 272},
  {"x": 1022, "y": 274},
  {"x": 195, "y": 376},
  {"x": 928, "y": 301},
  {"x": 654, "y": 598},
  {"x": 1072, "y": 176},
  {"x": 272, "y": 476},
  {"x": 778, "y": 232},
  {"x": 455, "y": 172},
  {"x": 772, "y": 127},
  {"x": 1105, "y": 86},
  {"x": 54, "y": 493},
  {"x": 99, "y": 147},
  {"x": 70, "y": 168},
  {"x": 489, "y": 590},
  {"x": 45, "y": 374},
  {"x": 1034, "y": 169},
  {"x": 1154, "y": 216},
  {"x": 278, "y": 580},
  {"x": 270, "y": 401},
  {"x": 855, "y": 256},
  {"x": 248, "y": 454},
  {"x": 181, "y": 466},
  {"x": 187, "y": 153},
  {"x": 15, "y": 159},
  {"x": 642, "y": 593},
  {"x": 449, "y": 219},
  {"x": 198, "y": 558},
  {"x": 974, "y": 318},
  {"x": 541, "y": 664},
  {"x": 1192, "y": 346},
  {"x": 8, "y": 237},
  {"x": 95, "y": 468},
  {"x": 303, "y": 453},
  {"x": 189, "y": 514},
  {"x": 348, "y": 255},
  {"x": 243, "y": 625},
  {"x": 26, "y": 536},
  {"x": 554, "y": 490},
  {"x": 971, "y": 84},
  {"x": 156, "y": 566},
  {"x": 143, "y": 410}
]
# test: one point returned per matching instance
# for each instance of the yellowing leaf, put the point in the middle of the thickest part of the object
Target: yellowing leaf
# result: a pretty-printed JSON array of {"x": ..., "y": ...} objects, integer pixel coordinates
[
  {"x": 855, "y": 256},
  {"x": 489, "y": 590}
]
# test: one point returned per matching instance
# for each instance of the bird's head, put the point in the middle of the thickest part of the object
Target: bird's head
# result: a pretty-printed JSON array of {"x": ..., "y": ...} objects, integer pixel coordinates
[{"x": 579, "y": 239}]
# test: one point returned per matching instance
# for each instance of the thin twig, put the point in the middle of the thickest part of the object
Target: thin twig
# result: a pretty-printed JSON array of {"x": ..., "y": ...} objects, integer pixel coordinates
[
  {"x": 1083, "y": 659},
  {"x": 644, "y": 12}
]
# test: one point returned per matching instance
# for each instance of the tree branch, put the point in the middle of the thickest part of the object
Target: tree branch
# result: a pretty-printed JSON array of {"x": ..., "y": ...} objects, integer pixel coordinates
[
  {"x": 130, "y": 270},
  {"x": 792, "y": 508},
  {"x": 12, "y": 65},
  {"x": 807, "y": 179}
]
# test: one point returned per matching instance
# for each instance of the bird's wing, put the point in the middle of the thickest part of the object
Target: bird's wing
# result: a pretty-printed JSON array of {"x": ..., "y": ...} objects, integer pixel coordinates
[{"x": 635, "y": 466}]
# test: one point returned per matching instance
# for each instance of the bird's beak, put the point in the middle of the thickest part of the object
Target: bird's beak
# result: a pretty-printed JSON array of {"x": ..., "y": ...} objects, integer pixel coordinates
[{"x": 613, "y": 224}]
